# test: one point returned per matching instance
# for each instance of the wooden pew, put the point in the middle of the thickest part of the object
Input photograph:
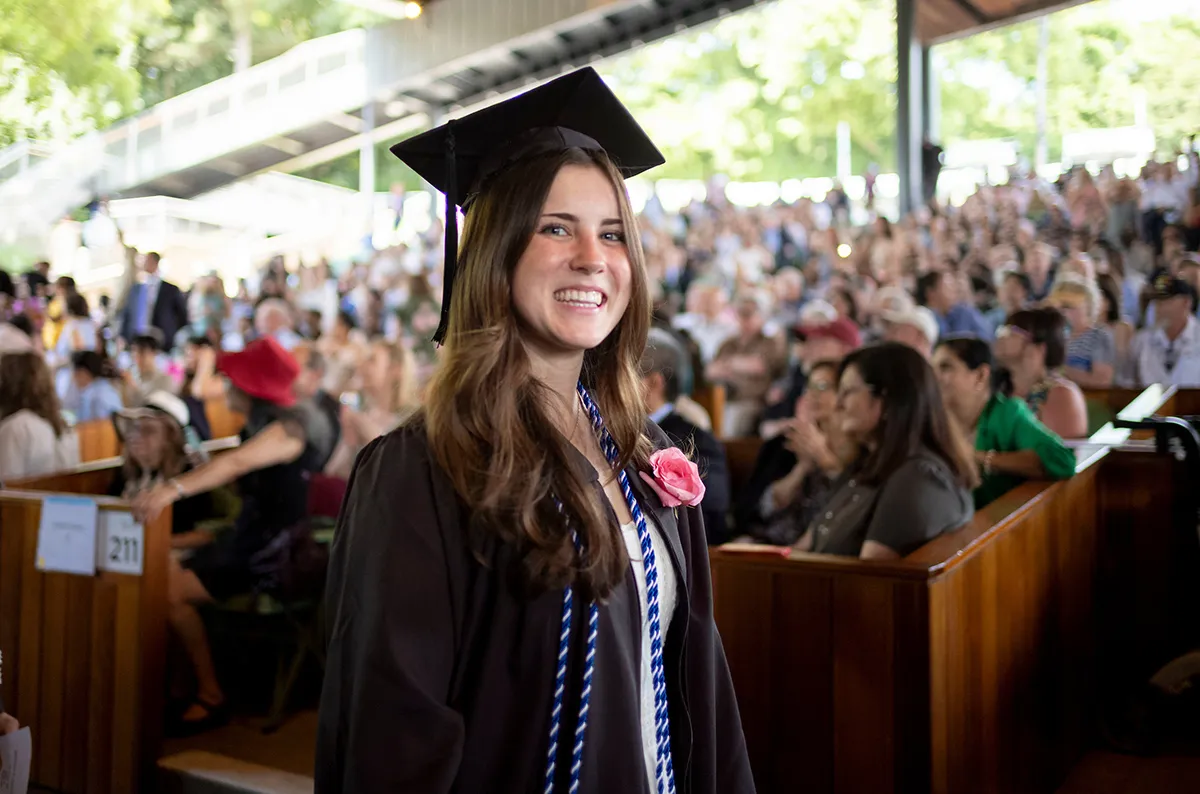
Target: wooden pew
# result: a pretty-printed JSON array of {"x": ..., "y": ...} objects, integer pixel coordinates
[
  {"x": 712, "y": 399},
  {"x": 95, "y": 476},
  {"x": 968, "y": 666},
  {"x": 222, "y": 421},
  {"x": 97, "y": 440},
  {"x": 84, "y": 657}
]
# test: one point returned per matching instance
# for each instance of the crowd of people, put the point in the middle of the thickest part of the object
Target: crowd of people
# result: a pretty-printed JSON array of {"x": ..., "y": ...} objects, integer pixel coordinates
[{"x": 900, "y": 375}]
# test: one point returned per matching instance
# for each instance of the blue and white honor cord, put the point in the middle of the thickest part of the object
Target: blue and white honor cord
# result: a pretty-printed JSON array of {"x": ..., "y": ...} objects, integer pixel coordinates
[{"x": 664, "y": 771}]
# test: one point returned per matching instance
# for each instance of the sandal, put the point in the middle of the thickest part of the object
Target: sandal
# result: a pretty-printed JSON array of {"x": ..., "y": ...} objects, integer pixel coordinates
[{"x": 214, "y": 717}]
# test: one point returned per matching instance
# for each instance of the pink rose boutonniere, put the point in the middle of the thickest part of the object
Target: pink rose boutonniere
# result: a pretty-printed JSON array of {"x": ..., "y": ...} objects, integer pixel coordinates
[{"x": 674, "y": 478}]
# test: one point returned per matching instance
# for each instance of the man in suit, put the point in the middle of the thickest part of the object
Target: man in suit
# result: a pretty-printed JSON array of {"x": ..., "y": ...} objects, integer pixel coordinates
[
  {"x": 154, "y": 304},
  {"x": 661, "y": 363}
]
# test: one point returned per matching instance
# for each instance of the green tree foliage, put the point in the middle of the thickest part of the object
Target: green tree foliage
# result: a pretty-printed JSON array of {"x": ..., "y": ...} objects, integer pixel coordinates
[
  {"x": 198, "y": 41},
  {"x": 759, "y": 95},
  {"x": 1101, "y": 66},
  {"x": 68, "y": 65}
]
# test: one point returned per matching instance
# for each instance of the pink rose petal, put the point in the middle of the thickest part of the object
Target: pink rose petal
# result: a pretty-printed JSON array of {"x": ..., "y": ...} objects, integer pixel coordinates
[
  {"x": 675, "y": 476},
  {"x": 664, "y": 497}
]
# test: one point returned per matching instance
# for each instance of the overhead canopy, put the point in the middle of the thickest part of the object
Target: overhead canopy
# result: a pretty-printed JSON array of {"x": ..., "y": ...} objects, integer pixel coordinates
[{"x": 940, "y": 20}]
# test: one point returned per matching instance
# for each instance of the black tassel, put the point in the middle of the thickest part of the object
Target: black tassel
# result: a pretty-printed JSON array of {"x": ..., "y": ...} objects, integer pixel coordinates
[{"x": 450, "y": 266}]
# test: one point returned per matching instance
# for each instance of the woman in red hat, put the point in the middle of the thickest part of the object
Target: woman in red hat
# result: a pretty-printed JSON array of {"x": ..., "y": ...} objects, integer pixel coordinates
[{"x": 271, "y": 468}]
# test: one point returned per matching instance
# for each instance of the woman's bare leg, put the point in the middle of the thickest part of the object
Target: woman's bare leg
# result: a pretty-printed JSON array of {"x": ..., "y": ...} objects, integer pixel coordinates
[{"x": 184, "y": 592}]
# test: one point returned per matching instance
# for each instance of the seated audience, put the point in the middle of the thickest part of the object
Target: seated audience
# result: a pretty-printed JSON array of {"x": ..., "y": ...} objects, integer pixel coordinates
[
  {"x": 660, "y": 365},
  {"x": 1032, "y": 347},
  {"x": 34, "y": 439},
  {"x": 915, "y": 326},
  {"x": 794, "y": 472},
  {"x": 1122, "y": 331},
  {"x": 819, "y": 337},
  {"x": 938, "y": 292},
  {"x": 1169, "y": 352},
  {"x": 913, "y": 477},
  {"x": 272, "y": 468},
  {"x": 388, "y": 380},
  {"x": 746, "y": 364},
  {"x": 1011, "y": 445},
  {"x": 1091, "y": 351},
  {"x": 95, "y": 395},
  {"x": 145, "y": 377},
  {"x": 197, "y": 417},
  {"x": 78, "y": 333},
  {"x": 159, "y": 446}
]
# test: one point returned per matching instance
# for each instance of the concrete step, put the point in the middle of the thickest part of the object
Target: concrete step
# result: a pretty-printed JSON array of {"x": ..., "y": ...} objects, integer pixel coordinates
[{"x": 201, "y": 772}]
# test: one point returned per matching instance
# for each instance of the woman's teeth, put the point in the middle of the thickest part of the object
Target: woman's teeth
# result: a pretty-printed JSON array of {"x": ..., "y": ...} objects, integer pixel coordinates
[{"x": 576, "y": 297}]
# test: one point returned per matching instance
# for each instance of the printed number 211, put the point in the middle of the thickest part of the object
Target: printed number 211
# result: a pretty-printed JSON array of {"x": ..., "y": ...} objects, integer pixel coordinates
[{"x": 123, "y": 550}]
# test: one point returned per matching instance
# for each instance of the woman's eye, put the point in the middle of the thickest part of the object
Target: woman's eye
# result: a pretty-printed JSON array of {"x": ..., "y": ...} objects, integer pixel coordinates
[
  {"x": 614, "y": 237},
  {"x": 554, "y": 229}
]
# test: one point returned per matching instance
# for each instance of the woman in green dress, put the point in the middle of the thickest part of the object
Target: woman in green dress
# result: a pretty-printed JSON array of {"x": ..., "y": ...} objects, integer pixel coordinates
[{"x": 1011, "y": 445}]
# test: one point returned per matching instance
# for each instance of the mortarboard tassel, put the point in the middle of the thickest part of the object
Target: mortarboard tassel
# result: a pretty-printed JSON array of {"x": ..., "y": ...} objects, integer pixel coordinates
[{"x": 450, "y": 265}]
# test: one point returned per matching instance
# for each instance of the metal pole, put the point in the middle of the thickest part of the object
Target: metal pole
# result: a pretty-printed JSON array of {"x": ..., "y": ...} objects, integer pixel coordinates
[
  {"x": 366, "y": 166},
  {"x": 1042, "y": 77},
  {"x": 909, "y": 105}
]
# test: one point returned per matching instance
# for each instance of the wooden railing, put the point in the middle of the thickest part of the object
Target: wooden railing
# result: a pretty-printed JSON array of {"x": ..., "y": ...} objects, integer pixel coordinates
[{"x": 968, "y": 666}]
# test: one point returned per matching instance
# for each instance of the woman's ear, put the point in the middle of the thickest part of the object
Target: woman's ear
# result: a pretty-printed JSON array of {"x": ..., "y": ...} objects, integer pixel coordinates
[{"x": 983, "y": 377}]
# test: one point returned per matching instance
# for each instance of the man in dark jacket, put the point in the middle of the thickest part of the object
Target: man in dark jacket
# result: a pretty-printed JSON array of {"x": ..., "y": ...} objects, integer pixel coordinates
[
  {"x": 661, "y": 364},
  {"x": 154, "y": 304}
]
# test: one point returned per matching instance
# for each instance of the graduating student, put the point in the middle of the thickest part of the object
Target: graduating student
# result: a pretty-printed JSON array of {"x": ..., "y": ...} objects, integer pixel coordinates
[{"x": 519, "y": 596}]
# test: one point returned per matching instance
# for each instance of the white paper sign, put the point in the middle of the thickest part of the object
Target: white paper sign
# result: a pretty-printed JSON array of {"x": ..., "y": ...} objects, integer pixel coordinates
[
  {"x": 120, "y": 543},
  {"x": 67, "y": 535},
  {"x": 16, "y": 750}
]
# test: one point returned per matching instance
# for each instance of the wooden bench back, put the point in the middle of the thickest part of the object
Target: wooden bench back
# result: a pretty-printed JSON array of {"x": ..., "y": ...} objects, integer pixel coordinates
[
  {"x": 84, "y": 657},
  {"x": 222, "y": 421},
  {"x": 969, "y": 665}
]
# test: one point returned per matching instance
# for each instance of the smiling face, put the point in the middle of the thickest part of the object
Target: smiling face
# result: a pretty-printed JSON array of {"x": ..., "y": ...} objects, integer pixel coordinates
[
  {"x": 572, "y": 284},
  {"x": 961, "y": 386},
  {"x": 859, "y": 406}
]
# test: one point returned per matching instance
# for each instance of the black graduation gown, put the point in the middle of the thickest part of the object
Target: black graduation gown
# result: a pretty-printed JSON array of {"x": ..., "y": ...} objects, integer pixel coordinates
[{"x": 440, "y": 674}]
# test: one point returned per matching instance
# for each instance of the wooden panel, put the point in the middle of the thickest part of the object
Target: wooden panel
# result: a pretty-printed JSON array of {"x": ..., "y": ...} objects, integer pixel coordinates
[
  {"x": 97, "y": 440},
  {"x": 969, "y": 666},
  {"x": 89, "y": 652},
  {"x": 222, "y": 421},
  {"x": 1013, "y": 647},
  {"x": 712, "y": 399},
  {"x": 1148, "y": 566},
  {"x": 740, "y": 455}
]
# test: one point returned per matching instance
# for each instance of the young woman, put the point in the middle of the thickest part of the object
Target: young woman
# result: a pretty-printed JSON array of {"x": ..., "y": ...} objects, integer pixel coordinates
[
  {"x": 389, "y": 396},
  {"x": 795, "y": 471},
  {"x": 95, "y": 394},
  {"x": 1011, "y": 445},
  {"x": 34, "y": 439},
  {"x": 159, "y": 446},
  {"x": 1032, "y": 346},
  {"x": 272, "y": 467},
  {"x": 913, "y": 479},
  {"x": 1091, "y": 351},
  {"x": 518, "y": 593}
]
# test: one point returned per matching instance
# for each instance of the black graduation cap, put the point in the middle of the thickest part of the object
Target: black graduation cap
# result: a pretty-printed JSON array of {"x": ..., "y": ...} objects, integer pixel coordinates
[{"x": 574, "y": 111}]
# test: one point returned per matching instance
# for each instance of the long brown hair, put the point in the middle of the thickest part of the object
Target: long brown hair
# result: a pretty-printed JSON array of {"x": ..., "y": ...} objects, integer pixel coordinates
[
  {"x": 914, "y": 416},
  {"x": 26, "y": 385},
  {"x": 486, "y": 415}
]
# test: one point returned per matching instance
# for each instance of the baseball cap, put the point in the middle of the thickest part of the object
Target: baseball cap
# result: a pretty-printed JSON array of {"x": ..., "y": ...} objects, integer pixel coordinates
[
  {"x": 918, "y": 317},
  {"x": 1163, "y": 285},
  {"x": 841, "y": 330}
]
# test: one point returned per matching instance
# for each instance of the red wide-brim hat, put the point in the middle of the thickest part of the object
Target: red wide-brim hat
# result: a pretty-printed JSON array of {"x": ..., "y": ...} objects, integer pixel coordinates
[{"x": 264, "y": 370}]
